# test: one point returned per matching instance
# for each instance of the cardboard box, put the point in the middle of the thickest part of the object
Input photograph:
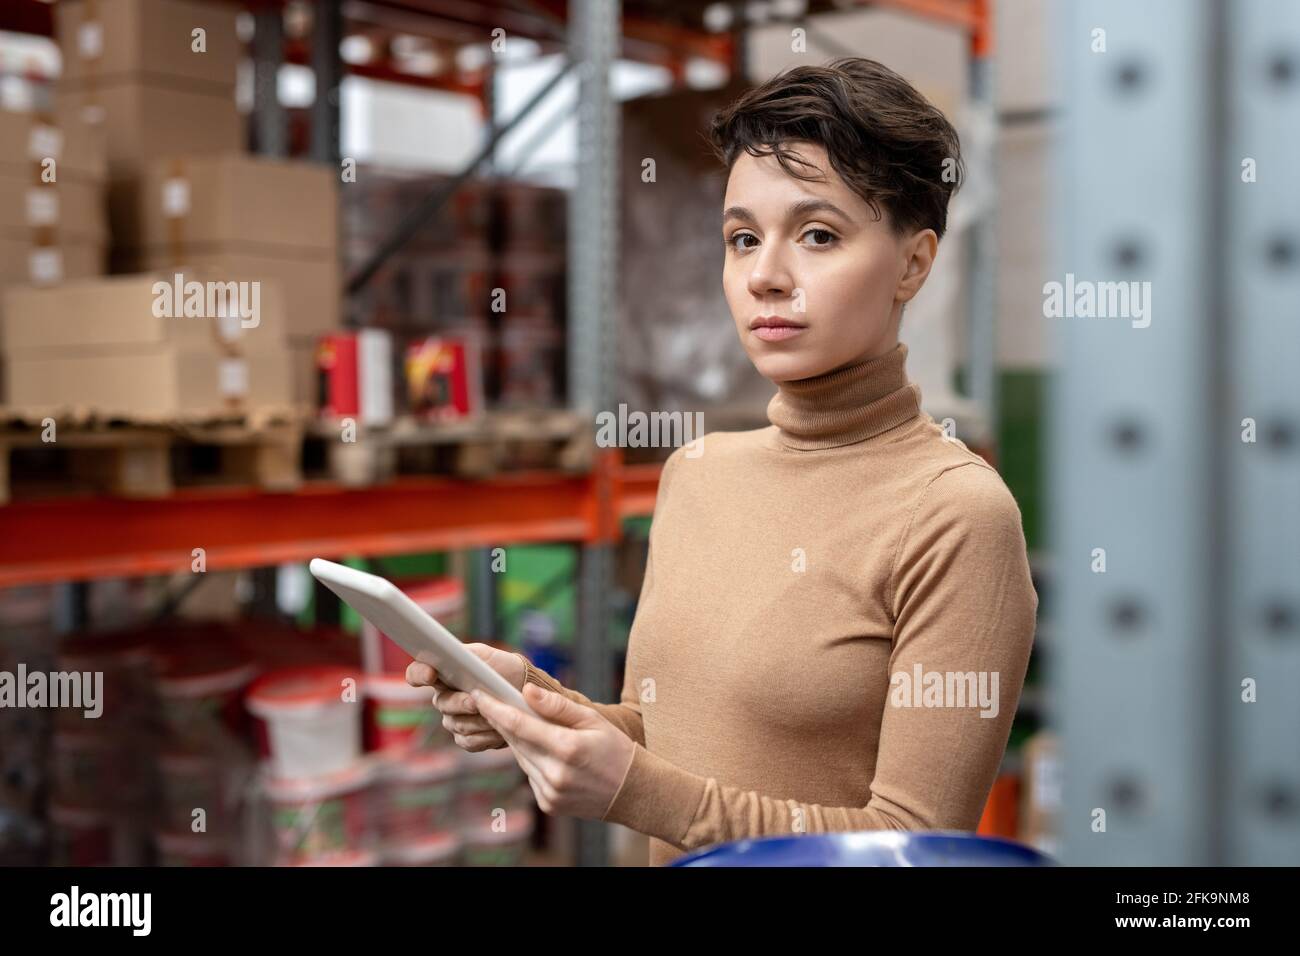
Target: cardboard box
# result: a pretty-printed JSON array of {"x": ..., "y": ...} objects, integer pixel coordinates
[
  {"x": 23, "y": 261},
  {"x": 78, "y": 148},
  {"x": 306, "y": 374},
  {"x": 271, "y": 206},
  {"x": 143, "y": 311},
  {"x": 311, "y": 287},
  {"x": 114, "y": 39},
  {"x": 150, "y": 381},
  {"x": 143, "y": 120},
  {"x": 65, "y": 209}
]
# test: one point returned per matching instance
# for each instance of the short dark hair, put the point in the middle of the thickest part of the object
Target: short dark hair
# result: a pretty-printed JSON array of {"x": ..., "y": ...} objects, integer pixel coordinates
[{"x": 886, "y": 141}]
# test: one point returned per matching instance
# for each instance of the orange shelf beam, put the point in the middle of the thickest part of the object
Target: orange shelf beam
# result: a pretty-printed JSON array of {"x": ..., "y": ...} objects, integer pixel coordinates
[{"x": 70, "y": 539}]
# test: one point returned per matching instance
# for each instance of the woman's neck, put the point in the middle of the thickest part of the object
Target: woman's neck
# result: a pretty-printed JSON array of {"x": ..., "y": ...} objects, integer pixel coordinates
[{"x": 850, "y": 404}]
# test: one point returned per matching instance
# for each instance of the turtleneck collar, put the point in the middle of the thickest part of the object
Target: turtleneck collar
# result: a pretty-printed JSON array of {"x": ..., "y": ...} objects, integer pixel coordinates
[{"x": 845, "y": 406}]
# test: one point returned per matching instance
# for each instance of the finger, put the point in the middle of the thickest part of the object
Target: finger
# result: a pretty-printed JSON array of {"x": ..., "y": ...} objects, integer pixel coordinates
[
  {"x": 467, "y": 726},
  {"x": 506, "y": 663},
  {"x": 513, "y": 724},
  {"x": 557, "y": 708},
  {"x": 527, "y": 760},
  {"x": 456, "y": 702},
  {"x": 420, "y": 674},
  {"x": 490, "y": 740}
]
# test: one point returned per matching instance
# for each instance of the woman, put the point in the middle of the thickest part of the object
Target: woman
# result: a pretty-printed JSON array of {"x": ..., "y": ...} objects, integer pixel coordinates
[{"x": 837, "y": 610}]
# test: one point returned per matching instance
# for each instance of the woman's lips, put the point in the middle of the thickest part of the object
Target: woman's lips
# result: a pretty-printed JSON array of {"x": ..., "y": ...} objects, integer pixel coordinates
[{"x": 778, "y": 333}]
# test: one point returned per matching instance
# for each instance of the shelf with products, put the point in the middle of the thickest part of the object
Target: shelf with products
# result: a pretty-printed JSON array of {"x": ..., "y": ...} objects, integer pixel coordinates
[{"x": 81, "y": 538}]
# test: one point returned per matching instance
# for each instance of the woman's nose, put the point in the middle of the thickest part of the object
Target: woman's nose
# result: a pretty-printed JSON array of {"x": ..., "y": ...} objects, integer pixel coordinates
[{"x": 771, "y": 274}]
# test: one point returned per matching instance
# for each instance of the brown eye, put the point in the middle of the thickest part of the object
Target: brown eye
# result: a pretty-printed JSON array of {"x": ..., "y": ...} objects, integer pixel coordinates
[
  {"x": 731, "y": 243},
  {"x": 829, "y": 236}
]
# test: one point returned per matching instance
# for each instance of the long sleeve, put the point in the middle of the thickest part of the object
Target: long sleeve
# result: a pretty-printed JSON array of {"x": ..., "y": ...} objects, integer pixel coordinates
[
  {"x": 963, "y": 603},
  {"x": 626, "y": 714}
]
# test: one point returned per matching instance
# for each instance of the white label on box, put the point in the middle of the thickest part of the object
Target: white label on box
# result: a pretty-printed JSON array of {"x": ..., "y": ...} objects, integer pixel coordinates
[
  {"x": 176, "y": 197},
  {"x": 229, "y": 326},
  {"x": 375, "y": 377},
  {"x": 16, "y": 94},
  {"x": 45, "y": 142},
  {"x": 93, "y": 113},
  {"x": 42, "y": 206},
  {"x": 45, "y": 265},
  {"x": 232, "y": 376},
  {"x": 90, "y": 40}
]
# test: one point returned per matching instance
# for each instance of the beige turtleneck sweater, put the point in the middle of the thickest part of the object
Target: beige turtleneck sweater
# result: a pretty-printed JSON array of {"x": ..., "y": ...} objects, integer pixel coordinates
[{"x": 795, "y": 570}]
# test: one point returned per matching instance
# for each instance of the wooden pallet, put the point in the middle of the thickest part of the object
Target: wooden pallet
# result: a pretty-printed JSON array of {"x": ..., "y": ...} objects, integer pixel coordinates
[
  {"x": 146, "y": 459},
  {"x": 496, "y": 442}
]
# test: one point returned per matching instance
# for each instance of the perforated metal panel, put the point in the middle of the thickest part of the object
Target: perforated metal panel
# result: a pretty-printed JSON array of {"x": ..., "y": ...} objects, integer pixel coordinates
[
  {"x": 1201, "y": 529},
  {"x": 1130, "y": 434},
  {"x": 1261, "y": 256}
]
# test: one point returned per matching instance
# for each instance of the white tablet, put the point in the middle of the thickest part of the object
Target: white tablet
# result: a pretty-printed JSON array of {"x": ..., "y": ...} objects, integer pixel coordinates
[{"x": 384, "y": 605}]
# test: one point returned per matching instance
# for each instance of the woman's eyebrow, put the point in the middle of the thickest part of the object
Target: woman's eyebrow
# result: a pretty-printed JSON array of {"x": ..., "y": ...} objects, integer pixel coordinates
[
  {"x": 738, "y": 212},
  {"x": 799, "y": 209},
  {"x": 806, "y": 207}
]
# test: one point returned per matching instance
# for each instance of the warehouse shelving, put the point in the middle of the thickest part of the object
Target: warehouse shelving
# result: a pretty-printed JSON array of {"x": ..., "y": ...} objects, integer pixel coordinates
[
  {"x": 77, "y": 539},
  {"x": 80, "y": 538}
]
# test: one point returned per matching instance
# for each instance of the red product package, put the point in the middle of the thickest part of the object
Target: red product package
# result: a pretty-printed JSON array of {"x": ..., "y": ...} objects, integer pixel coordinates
[
  {"x": 336, "y": 371},
  {"x": 444, "y": 378}
]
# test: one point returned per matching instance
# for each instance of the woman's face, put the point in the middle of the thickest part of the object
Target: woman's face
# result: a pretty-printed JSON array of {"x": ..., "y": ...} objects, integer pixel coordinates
[{"x": 812, "y": 255}]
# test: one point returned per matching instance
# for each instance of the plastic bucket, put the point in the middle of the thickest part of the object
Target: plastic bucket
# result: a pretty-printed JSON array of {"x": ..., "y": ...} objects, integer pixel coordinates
[
  {"x": 311, "y": 731},
  {"x": 401, "y": 717},
  {"x": 320, "y": 816},
  {"x": 193, "y": 781},
  {"x": 81, "y": 836},
  {"x": 127, "y": 689},
  {"x": 432, "y": 849},
  {"x": 191, "y": 849},
  {"x": 499, "y": 844},
  {"x": 491, "y": 779},
  {"x": 418, "y": 793},
  {"x": 83, "y": 769},
  {"x": 347, "y": 858},
  {"x": 200, "y": 690}
]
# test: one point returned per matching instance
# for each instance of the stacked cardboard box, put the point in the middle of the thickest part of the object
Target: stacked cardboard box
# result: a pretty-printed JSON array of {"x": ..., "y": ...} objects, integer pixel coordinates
[
  {"x": 148, "y": 346},
  {"x": 158, "y": 75},
  {"x": 241, "y": 215},
  {"x": 52, "y": 221}
]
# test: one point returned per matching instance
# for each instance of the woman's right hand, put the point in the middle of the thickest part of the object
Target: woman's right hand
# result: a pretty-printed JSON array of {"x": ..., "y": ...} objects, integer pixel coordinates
[{"x": 460, "y": 716}]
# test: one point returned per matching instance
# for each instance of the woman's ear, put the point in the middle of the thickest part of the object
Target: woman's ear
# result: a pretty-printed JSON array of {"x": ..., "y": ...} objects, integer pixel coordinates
[{"x": 919, "y": 251}]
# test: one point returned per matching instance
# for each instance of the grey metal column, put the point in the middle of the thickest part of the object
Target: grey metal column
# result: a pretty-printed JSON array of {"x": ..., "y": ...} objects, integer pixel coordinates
[
  {"x": 1261, "y": 346},
  {"x": 1131, "y": 436},
  {"x": 327, "y": 64},
  {"x": 270, "y": 127},
  {"x": 484, "y": 595},
  {"x": 981, "y": 257},
  {"x": 594, "y": 32}
]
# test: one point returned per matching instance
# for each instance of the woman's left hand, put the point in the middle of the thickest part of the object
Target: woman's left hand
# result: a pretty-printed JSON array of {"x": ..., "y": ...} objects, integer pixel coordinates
[{"x": 575, "y": 759}]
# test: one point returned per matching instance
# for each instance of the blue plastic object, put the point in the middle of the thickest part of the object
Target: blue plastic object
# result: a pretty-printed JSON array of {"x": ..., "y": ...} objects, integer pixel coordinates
[{"x": 870, "y": 848}]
